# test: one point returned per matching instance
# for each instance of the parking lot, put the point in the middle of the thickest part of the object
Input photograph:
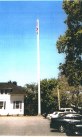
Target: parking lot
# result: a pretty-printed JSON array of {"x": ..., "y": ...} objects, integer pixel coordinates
[{"x": 26, "y": 126}]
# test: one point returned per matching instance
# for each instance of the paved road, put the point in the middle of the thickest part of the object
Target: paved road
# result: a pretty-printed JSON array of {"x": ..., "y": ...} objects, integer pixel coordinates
[{"x": 26, "y": 126}]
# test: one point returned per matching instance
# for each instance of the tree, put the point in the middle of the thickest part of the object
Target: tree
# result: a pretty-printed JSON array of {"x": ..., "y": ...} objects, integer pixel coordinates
[
  {"x": 65, "y": 91},
  {"x": 71, "y": 43},
  {"x": 31, "y": 99},
  {"x": 48, "y": 100}
]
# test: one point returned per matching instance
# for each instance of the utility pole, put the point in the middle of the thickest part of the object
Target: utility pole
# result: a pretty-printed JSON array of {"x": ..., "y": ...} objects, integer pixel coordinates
[
  {"x": 38, "y": 67},
  {"x": 58, "y": 97}
]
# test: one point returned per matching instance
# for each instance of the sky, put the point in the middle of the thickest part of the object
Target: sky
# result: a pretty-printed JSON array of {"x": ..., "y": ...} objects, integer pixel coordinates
[{"x": 18, "y": 40}]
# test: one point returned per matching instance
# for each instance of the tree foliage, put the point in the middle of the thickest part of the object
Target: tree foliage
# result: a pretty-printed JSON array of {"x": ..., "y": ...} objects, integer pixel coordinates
[
  {"x": 48, "y": 101},
  {"x": 71, "y": 43},
  {"x": 31, "y": 99},
  {"x": 49, "y": 96}
]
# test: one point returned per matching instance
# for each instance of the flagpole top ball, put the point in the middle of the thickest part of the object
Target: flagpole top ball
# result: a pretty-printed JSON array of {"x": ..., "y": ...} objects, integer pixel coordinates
[{"x": 37, "y": 26}]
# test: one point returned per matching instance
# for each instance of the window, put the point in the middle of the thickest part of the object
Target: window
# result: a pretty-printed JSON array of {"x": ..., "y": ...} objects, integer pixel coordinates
[
  {"x": 78, "y": 117},
  {"x": 17, "y": 105},
  {"x": 1, "y": 91},
  {"x": 5, "y": 91},
  {"x": 2, "y": 104}
]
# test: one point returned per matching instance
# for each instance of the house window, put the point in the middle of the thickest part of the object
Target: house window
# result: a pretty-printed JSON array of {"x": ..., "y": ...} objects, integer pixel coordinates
[
  {"x": 5, "y": 91},
  {"x": 17, "y": 105},
  {"x": 2, "y": 104},
  {"x": 1, "y": 91}
]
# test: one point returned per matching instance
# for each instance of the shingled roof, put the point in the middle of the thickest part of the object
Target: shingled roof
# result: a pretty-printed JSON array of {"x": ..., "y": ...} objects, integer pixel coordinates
[{"x": 12, "y": 87}]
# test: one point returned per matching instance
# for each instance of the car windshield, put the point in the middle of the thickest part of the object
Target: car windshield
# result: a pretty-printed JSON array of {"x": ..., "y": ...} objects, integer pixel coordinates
[
  {"x": 73, "y": 116},
  {"x": 61, "y": 115},
  {"x": 54, "y": 113},
  {"x": 78, "y": 117}
]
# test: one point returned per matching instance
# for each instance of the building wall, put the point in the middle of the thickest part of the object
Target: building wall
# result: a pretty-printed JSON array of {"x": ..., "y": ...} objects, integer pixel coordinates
[
  {"x": 19, "y": 98},
  {"x": 8, "y": 104}
]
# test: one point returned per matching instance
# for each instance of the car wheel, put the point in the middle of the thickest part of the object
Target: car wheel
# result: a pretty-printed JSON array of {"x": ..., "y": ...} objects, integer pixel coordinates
[
  {"x": 61, "y": 128},
  {"x": 67, "y": 132}
]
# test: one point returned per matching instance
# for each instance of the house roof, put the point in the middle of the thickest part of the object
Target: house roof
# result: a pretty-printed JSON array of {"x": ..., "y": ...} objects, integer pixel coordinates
[{"x": 12, "y": 87}]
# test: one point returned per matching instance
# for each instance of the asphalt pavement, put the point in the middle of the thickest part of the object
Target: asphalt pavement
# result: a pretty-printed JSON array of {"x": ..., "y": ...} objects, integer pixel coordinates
[{"x": 26, "y": 126}]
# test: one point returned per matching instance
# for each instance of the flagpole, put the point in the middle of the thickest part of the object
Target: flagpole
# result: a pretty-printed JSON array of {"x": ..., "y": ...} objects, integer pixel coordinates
[{"x": 38, "y": 68}]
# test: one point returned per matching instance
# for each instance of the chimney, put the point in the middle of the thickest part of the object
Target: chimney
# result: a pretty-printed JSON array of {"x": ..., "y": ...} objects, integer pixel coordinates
[{"x": 15, "y": 83}]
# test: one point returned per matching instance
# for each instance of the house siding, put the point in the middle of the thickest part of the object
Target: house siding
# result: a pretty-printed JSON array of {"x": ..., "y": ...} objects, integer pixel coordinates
[
  {"x": 19, "y": 111},
  {"x": 8, "y": 99}
]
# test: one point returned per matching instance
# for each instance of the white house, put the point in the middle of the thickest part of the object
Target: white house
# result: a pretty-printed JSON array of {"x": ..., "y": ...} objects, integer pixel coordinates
[{"x": 11, "y": 99}]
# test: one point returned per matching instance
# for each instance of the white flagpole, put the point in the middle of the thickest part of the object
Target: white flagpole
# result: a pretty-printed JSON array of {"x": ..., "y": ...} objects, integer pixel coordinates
[{"x": 38, "y": 68}]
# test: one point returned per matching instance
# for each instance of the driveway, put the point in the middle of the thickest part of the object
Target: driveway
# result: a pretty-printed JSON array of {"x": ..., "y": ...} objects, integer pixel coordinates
[{"x": 26, "y": 126}]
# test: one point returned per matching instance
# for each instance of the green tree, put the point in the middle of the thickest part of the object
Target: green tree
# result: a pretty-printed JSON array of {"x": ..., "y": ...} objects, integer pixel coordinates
[
  {"x": 66, "y": 92},
  {"x": 71, "y": 43},
  {"x": 48, "y": 100},
  {"x": 31, "y": 99}
]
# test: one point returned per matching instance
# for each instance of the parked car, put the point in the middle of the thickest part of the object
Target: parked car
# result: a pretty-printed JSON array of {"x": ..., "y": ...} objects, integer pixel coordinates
[
  {"x": 59, "y": 113},
  {"x": 55, "y": 115},
  {"x": 70, "y": 110},
  {"x": 69, "y": 123}
]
